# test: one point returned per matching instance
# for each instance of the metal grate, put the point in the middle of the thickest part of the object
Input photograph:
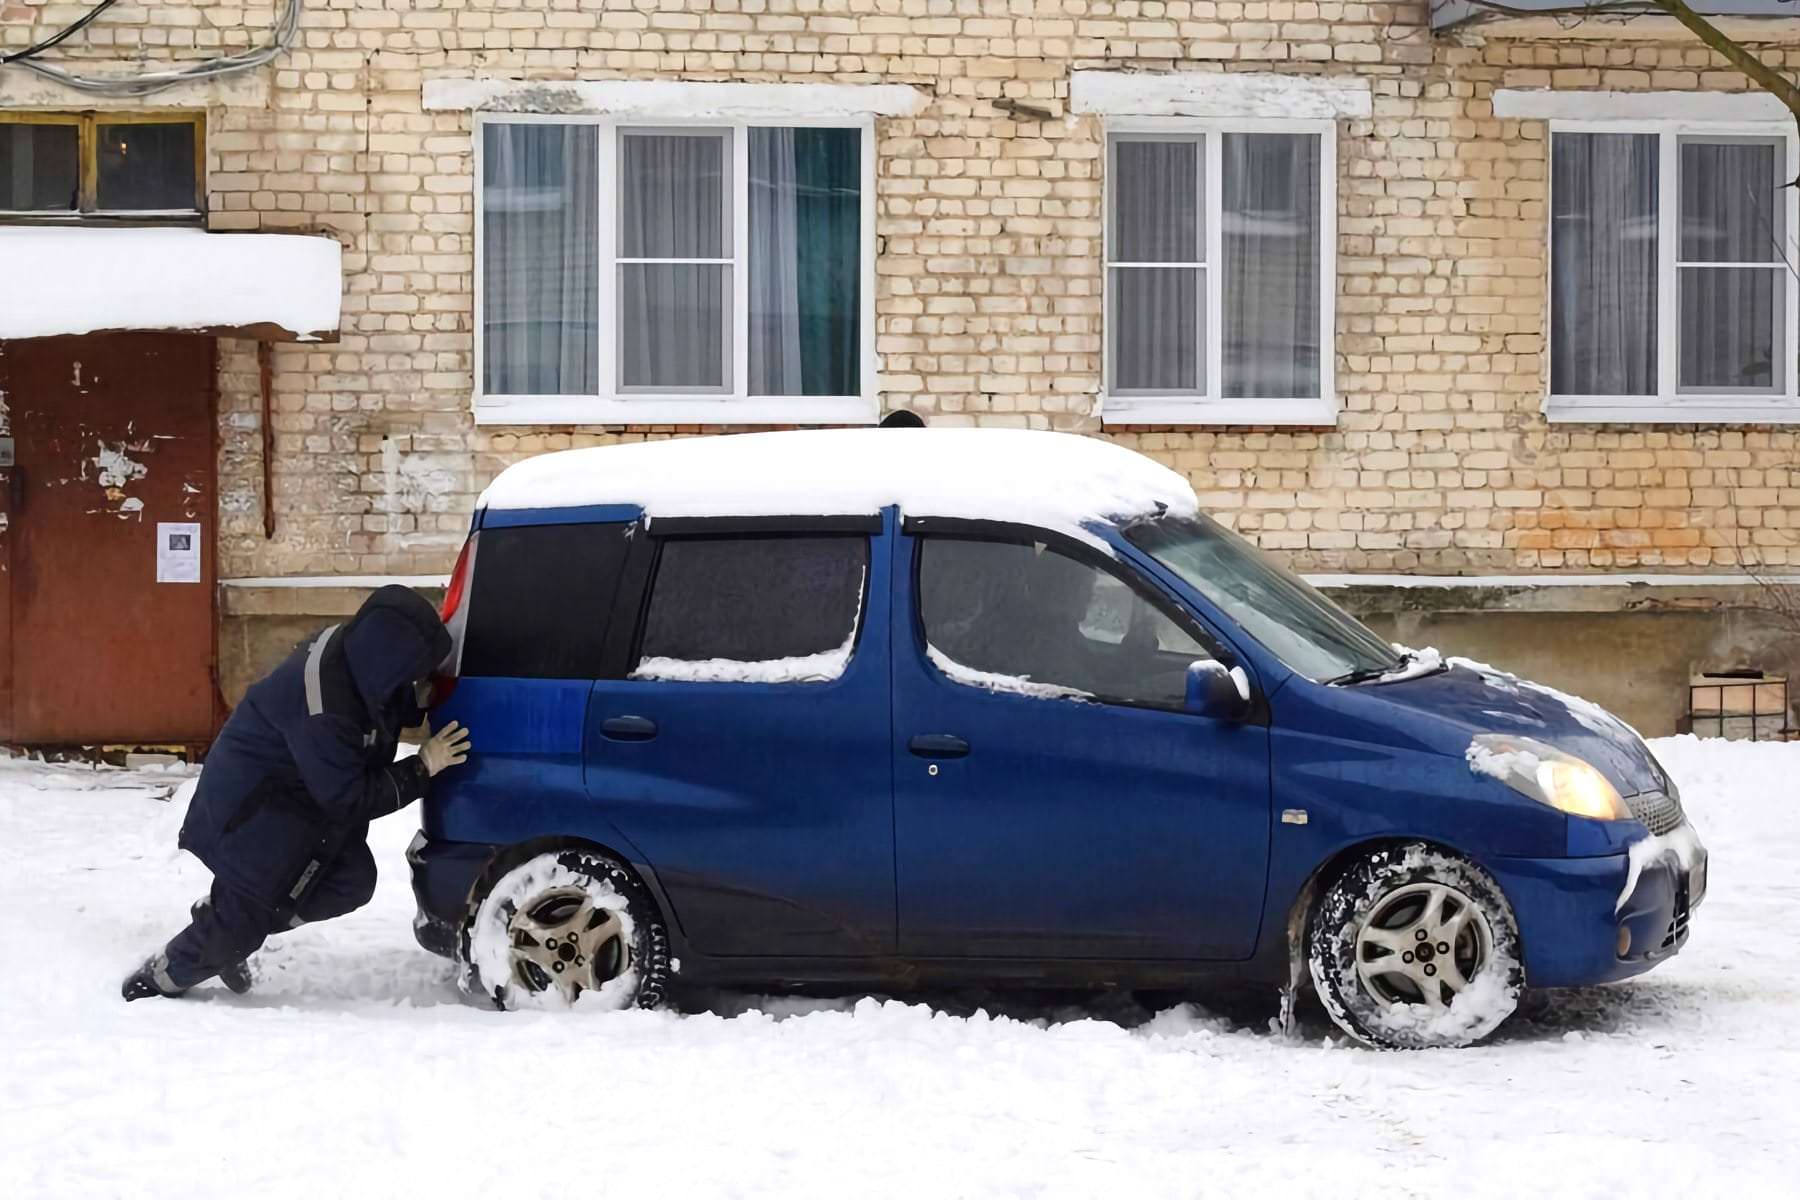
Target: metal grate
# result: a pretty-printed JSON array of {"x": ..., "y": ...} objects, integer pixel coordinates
[
  {"x": 1661, "y": 811},
  {"x": 1678, "y": 923}
]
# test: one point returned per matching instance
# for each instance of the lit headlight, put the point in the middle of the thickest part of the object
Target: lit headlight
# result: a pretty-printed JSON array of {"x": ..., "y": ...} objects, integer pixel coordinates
[{"x": 1547, "y": 775}]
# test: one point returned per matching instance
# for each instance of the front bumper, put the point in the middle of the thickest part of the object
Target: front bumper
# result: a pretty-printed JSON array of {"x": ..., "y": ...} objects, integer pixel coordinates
[
  {"x": 1571, "y": 911},
  {"x": 443, "y": 875}
]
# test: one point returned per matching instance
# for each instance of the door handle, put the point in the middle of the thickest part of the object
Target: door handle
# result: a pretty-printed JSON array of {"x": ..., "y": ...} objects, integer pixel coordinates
[
  {"x": 938, "y": 745},
  {"x": 628, "y": 729}
]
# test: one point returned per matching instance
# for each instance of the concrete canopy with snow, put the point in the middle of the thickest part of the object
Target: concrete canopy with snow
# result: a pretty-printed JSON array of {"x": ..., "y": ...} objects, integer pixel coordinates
[
  {"x": 1049, "y": 479},
  {"x": 279, "y": 287}
]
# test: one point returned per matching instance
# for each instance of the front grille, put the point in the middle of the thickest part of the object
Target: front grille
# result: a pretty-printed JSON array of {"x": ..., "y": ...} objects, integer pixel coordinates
[
  {"x": 1660, "y": 811},
  {"x": 1678, "y": 923}
]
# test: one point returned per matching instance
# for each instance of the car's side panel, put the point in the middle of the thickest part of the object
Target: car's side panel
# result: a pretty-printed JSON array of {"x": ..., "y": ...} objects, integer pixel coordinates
[
  {"x": 1070, "y": 830},
  {"x": 766, "y": 810},
  {"x": 524, "y": 779}
]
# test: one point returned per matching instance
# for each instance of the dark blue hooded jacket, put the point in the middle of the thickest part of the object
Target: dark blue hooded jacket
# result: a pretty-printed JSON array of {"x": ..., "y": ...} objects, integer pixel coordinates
[{"x": 307, "y": 760}]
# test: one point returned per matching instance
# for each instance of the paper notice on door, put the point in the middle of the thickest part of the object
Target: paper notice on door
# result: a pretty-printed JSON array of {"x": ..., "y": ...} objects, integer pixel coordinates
[{"x": 177, "y": 552}]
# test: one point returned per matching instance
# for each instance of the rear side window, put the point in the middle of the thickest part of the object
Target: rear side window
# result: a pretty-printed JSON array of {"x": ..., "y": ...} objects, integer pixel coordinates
[
  {"x": 754, "y": 600},
  {"x": 542, "y": 598},
  {"x": 1024, "y": 618}
]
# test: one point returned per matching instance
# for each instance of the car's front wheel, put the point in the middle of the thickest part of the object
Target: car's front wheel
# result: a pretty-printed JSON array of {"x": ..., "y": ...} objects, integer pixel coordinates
[
  {"x": 1413, "y": 948},
  {"x": 562, "y": 927}
]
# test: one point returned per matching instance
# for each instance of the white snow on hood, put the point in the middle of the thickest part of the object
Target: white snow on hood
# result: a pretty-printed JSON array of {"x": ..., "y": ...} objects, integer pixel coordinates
[
  {"x": 68, "y": 281},
  {"x": 1585, "y": 712},
  {"x": 1055, "y": 480},
  {"x": 1418, "y": 662}
]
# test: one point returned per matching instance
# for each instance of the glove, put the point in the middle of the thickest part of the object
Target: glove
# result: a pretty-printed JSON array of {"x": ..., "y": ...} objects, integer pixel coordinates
[{"x": 445, "y": 748}]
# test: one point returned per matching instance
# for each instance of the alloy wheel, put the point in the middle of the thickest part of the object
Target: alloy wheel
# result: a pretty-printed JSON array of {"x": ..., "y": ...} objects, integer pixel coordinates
[
  {"x": 562, "y": 941},
  {"x": 1422, "y": 944}
]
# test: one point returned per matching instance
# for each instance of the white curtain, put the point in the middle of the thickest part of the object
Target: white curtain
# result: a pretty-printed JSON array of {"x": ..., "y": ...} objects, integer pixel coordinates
[
  {"x": 775, "y": 362},
  {"x": 1157, "y": 317},
  {"x": 1732, "y": 211},
  {"x": 672, "y": 315},
  {"x": 540, "y": 241},
  {"x": 1603, "y": 264},
  {"x": 1269, "y": 203}
]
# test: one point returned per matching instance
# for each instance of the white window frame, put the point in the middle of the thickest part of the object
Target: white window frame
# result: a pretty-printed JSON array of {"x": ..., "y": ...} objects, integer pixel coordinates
[
  {"x": 733, "y": 405},
  {"x": 1671, "y": 405},
  {"x": 1210, "y": 406}
]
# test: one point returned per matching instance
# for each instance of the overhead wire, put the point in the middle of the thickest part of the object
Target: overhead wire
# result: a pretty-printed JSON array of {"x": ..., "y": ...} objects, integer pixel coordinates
[
  {"x": 67, "y": 32},
  {"x": 147, "y": 83}
]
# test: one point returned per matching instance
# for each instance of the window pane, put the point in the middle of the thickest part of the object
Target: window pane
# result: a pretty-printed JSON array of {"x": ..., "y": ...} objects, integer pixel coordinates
[
  {"x": 1155, "y": 201},
  {"x": 1156, "y": 323},
  {"x": 672, "y": 325},
  {"x": 1729, "y": 319},
  {"x": 754, "y": 599},
  {"x": 1603, "y": 264},
  {"x": 1732, "y": 205},
  {"x": 540, "y": 276},
  {"x": 146, "y": 166},
  {"x": 1269, "y": 199},
  {"x": 40, "y": 168},
  {"x": 672, "y": 190},
  {"x": 1030, "y": 613},
  {"x": 541, "y": 600},
  {"x": 805, "y": 261}
]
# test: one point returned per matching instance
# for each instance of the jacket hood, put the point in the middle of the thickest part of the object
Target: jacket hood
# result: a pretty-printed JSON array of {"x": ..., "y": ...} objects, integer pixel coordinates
[
  {"x": 394, "y": 641},
  {"x": 1472, "y": 698}
]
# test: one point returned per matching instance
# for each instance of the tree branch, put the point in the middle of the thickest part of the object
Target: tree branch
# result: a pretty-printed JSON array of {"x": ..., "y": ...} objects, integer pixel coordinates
[{"x": 1753, "y": 68}]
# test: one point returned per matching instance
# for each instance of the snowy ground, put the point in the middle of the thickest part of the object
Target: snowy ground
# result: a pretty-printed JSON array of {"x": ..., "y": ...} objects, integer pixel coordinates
[{"x": 354, "y": 1070}]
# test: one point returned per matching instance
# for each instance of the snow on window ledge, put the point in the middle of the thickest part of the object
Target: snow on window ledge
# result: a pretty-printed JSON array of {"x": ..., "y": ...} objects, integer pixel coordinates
[
  {"x": 676, "y": 410},
  {"x": 666, "y": 99},
  {"x": 1673, "y": 410},
  {"x": 1258, "y": 94},
  {"x": 1195, "y": 410},
  {"x": 1017, "y": 685}
]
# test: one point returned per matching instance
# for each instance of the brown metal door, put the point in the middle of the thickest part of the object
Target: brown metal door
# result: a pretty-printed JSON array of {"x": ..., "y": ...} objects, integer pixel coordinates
[{"x": 108, "y": 547}]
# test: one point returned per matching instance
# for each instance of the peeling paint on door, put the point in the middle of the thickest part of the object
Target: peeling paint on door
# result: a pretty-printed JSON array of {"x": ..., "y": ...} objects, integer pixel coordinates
[{"x": 114, "y": 468}]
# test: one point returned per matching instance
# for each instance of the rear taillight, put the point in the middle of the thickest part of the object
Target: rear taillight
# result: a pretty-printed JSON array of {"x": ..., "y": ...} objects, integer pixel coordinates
[
  {"x": 455, "y": 615},
  {"x": 459, "y": 583}
]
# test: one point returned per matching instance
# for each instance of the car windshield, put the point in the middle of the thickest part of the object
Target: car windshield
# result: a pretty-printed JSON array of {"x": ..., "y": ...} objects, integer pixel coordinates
[{"x": 1276, "y": 607}]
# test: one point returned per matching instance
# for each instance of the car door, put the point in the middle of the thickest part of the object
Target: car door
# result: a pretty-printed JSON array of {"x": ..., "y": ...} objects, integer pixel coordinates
[
  {"x": 1052, "y": 798},
  {"x": 746, "y": 752}
]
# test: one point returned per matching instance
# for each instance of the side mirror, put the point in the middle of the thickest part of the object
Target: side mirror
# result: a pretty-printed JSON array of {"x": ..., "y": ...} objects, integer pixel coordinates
[{"x": 1215, "y": 690}]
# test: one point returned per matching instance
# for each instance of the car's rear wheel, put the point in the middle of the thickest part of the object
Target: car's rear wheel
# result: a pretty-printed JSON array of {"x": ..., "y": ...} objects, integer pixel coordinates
[
  {"x": 562, "y": 927},
  {"x": 1413, "y": 948}
]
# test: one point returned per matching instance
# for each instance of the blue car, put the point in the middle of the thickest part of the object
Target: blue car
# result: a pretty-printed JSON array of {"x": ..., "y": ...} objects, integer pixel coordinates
[{"x": 888, "y": 708}]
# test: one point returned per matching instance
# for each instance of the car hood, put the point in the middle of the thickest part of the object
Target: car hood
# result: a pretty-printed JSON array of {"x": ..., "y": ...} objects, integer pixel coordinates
[{"x": 1471, "y": 698}]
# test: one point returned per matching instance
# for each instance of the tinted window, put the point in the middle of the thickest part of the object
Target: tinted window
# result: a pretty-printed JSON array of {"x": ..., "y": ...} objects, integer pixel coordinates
[
  {"x": 542, "y": 599},
  {"x": 39, "y": 167},
  {"x": 754, "y": 599},
  {"x": 146, "y": 166},
  {"x": 1029, "y": 612}
]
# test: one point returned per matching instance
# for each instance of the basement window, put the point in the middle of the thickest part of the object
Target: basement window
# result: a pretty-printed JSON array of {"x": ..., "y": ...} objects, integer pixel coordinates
[{"x": 80, "y": 166}]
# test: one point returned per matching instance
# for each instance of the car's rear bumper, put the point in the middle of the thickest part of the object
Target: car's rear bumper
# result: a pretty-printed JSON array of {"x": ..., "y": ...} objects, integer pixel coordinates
[
  {"x": 443, "y": 873},
  {"x": 1571, "y": 912}
]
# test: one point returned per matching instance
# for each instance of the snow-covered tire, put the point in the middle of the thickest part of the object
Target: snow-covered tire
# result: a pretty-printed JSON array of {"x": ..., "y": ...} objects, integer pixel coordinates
[
  {"x": 1414, "y": 948},
  {"x": 561, "y": 927}
]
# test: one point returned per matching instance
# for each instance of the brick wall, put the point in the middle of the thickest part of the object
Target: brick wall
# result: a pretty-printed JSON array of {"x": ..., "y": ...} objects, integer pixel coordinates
[{"x": 988, "y": 294}]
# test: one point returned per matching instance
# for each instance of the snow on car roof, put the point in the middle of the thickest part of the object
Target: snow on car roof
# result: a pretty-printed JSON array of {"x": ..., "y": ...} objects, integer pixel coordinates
[{"x": 1059, "y": 480}]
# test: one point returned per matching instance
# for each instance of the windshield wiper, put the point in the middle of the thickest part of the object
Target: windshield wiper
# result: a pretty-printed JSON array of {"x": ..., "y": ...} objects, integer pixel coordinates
[{"x": 1368, "y": 674}]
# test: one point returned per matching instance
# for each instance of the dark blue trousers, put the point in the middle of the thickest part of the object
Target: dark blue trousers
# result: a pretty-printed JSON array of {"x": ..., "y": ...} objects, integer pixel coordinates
[{"x": 228, "y": 926}]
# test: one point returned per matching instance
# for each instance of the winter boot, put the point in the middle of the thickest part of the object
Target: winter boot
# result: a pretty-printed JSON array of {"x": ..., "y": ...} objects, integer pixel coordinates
[
  {"x": 236, "y": 976},
  {"x": 151, "y": 979}
]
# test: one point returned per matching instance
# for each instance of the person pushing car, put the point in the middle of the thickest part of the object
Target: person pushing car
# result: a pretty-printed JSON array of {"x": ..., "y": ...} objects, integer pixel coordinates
[{"x": 282, "y": 810}]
